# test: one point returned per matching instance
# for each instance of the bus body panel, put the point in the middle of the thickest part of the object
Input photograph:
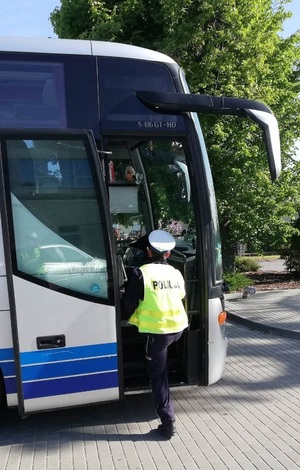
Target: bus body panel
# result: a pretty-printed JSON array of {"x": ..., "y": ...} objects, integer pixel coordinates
[
  {"x": 44, "y": 45},
  {"x": 217, "y": 342},
  {"x": 81, "y": 47},
  {"x": 76, "y": 399},
  {"x": 86, "y": 365},
  {"x": 7, "y": 360},
  {"x": 2, "y": 262},
  {"x": 4, "y": 304}
]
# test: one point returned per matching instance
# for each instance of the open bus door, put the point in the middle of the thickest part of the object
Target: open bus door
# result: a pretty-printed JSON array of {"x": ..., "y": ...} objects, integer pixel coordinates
[{"x": 58, "y": 242}]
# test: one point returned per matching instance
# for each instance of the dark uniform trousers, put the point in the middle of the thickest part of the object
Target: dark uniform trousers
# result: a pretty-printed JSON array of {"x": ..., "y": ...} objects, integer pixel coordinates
[{"x": 156, "y": 355}]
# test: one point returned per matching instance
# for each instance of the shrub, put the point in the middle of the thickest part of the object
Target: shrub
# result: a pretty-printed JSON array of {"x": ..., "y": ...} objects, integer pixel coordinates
[
  {"x": 292, "y": 260},
  {"x": 291, "y": 254},
  {"x": 245, "y": 265},
  {"x": 236, "y": 280}
]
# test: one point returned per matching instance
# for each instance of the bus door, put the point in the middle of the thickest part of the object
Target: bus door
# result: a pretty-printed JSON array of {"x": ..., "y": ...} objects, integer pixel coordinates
[
  {"x": 150, "y": 188},
  {"x": 58, "y": 244}
]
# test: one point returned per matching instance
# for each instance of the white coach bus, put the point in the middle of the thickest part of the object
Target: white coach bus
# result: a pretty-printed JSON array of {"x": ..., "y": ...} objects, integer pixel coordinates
[{"x": 100, "y": 144}]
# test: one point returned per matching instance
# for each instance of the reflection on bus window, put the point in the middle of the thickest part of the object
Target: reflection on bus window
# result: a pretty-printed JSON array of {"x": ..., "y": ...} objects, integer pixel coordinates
[
  {"x": 58, "y": 230},
  {"x": 32, "y": 95},
  {"x": 160, "y": 176}
]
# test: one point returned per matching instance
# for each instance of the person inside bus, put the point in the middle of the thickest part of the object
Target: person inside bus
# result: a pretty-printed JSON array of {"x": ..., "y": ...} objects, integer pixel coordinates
[
  {"x": 153, "y": 302},
  {"x": 29, "y": 258},
  {"x": 130, "y": 174}
]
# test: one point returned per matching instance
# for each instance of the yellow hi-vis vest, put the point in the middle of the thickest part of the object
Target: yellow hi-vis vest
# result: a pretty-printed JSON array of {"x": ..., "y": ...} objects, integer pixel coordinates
[{"x": 162, "y": 310}]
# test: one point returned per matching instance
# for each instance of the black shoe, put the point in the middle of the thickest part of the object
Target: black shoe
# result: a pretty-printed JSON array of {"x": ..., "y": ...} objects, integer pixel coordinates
[{"x": 167, "y": 430}]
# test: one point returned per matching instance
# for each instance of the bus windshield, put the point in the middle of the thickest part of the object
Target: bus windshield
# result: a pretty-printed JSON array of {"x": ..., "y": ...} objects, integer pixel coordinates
[{"x": 151, "y": 171}]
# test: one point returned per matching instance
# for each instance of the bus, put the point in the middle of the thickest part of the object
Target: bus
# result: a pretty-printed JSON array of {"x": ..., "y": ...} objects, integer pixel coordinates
[{"x": 100, "y": 144}]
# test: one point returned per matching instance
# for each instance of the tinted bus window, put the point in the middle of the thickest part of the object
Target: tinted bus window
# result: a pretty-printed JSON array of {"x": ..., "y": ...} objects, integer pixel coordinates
[
  {"x": 32, "y": 95},
  {"x": 59, "y": 232},
  {"x": 121, "y": 110}
]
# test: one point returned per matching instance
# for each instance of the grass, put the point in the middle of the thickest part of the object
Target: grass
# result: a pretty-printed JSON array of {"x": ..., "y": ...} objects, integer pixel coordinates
[
  {"x": 261, "y": 257},
  {"x": 238, "y": 279}
]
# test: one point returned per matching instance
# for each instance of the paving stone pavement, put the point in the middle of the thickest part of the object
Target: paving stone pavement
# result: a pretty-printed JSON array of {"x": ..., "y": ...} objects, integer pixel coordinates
[
  {"x": 273, "y": 311},
  {"x": 250, "y": 419}
]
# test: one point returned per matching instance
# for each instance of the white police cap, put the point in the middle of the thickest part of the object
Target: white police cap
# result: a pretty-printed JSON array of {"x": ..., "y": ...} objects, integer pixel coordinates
[{"x": 161, "y": 241}]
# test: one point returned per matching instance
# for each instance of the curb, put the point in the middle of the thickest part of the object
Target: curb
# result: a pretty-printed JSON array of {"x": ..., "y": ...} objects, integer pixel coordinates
[{"x": 233, "y": 318}]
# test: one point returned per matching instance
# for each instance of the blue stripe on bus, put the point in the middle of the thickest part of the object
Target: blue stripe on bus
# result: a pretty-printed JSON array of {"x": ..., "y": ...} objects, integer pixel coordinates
[
  {"x": 63, "y": 354},
  {"x": 6, "y": 354},
  {"x": 10, "y": 385},
  {"x": 8, "y": 368},
  {"x": 47, "y": 388},
  {"x": 61, "y": 369}
]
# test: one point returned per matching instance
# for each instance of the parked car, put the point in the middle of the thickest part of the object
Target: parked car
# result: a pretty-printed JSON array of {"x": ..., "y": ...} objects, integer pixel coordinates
[{"x": 70, "y": 267}]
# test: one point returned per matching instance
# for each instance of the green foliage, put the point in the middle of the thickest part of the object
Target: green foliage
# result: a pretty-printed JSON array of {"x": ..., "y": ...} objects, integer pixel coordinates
[
  {"x": 291, "y": 253},
  {"x": 292, "y": 260},
  {"x": 72, "y": 18},
  {"x": 236, "y": 280},
  {"x": 244, "y": 265},
  {"x": 225, "y": 48}
]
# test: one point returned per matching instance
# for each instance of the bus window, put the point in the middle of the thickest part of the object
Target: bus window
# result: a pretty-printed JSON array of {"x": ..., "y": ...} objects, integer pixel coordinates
[
  {"x": 123, "y": 200},
  {"x": 160, "y": 197},
  {"x": 32, "y": 94},
  {"x": 168, "y": 182},
  {"x": 217, "y": 272},
  {"x": 59, "y": 236}
]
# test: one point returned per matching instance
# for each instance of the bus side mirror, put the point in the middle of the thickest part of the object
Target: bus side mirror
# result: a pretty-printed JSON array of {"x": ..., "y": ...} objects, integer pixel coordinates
[
  {"x": 269, "y": 125},
  {"x": 224, "y": 105}
]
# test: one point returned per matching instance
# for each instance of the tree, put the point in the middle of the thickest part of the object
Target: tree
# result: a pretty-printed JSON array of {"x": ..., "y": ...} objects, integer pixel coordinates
[
  {"x": 226, "y": 47},
  {"x": 72, "y": 18}
]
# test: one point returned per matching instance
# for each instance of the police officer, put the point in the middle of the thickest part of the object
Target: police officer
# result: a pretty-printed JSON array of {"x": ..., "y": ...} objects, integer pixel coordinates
[{"x": 153, "y": 300}]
